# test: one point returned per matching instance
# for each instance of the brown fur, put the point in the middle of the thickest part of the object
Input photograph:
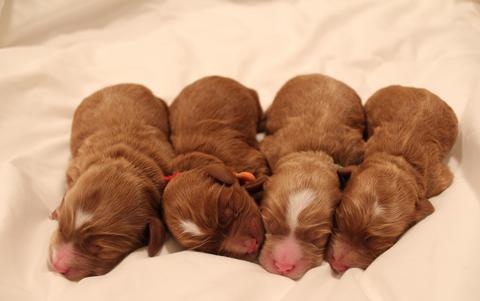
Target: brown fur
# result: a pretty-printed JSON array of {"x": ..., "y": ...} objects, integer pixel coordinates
[
  {"x": 120, "y": 152},
  {"x": 314, "y": 123},
  {"x": 326, "y": 115},
  {"x": 410, "y": 132},
  {"x": 214, "y": 122}
]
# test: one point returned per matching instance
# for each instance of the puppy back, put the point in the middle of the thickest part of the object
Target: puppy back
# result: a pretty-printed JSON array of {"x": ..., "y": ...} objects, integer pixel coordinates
[
  {"x": 218, "y": 116},
  {"x": 315, "y": 113},
  {"x": 416, "y": 117},
  {"x": 218, "y": 100},
  {"x": 123, "y": 106},
  {"x": 417, "y": 125}
]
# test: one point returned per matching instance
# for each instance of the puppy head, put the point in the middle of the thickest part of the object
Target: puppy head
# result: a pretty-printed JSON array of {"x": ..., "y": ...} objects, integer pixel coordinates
[
  {"x": 297, "y": 210},
  {"x": 380, "y": 202},
  {"x": 206, "y": 209},
  {"x": 104, "y": 216}
]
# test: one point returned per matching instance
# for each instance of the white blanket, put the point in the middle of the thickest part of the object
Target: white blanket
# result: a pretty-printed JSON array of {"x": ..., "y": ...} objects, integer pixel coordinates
[{"x": 56, "y": 52}]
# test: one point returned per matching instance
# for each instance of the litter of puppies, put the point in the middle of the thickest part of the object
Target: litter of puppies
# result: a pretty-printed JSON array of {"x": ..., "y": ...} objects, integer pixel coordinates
[{"x": 332, "y": 180}]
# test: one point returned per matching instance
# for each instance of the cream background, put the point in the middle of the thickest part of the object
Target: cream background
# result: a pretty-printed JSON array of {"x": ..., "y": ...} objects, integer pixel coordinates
[{"x": 54, "y": 53}]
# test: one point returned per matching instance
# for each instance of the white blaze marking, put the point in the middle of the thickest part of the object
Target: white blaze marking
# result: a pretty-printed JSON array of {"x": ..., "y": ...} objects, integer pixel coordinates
[
  {"x": 377, "y": 209},
  {"x": 297, "y": 201},
  {"x": 191, "y": 228},
  {"x": 81, "y": 217},
  {"x": 260, "y": 136}
]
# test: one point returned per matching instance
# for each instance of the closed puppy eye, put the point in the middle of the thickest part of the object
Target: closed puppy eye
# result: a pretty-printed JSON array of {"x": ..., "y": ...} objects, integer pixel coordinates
[
  {"x": 89, "y": 243},
  {"x": 320, "y": 243},
  {"x": 94, "y": 248},
  {"x": 275, "y": 227},
  {"x": 271, "y": 225},
  {"x": 227, "y": 206},
  {"x": 228, "y": 212},
  {"x": 377, "y": 245}
]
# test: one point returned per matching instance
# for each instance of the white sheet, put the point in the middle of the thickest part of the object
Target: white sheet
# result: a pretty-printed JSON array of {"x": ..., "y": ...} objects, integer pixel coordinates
[{"x": 56, "y": 52}]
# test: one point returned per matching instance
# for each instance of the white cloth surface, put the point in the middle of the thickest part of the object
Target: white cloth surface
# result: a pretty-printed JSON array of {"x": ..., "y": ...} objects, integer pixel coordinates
[{"x": 54, "y": 53}]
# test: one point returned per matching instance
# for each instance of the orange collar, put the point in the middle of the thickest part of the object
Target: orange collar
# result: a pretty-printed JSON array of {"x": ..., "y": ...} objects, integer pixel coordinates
[{"x": 244, "y": 176}]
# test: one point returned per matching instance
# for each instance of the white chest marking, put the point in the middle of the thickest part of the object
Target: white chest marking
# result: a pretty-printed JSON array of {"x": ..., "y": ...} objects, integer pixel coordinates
[
  {"x": 81, "y": 217},
  {"x": 377, "y": 209},
  {"x": 191, "y": 228},
  {"x": 297, "y": 202}
]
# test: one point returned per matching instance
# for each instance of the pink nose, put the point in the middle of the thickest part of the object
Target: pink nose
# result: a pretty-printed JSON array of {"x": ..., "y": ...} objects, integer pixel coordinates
[
  {"x": 338, "y": 266},
  {"x": 283, "y": 267},
  {"x": 61, "y": 257},
  {"x": 251, "y": 245},
  {"x": 60, "y": 267}
]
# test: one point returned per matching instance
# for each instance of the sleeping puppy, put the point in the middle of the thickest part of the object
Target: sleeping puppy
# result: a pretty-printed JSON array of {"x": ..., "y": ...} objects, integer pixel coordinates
[
  {"x": 207, "y": 205},
  {"x": 410, "y": 133},
  {"x": 314, "y": 123},
  {"x": 120, "y": 152}
]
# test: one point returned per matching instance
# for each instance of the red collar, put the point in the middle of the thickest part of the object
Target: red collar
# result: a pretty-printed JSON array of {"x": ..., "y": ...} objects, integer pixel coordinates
[{"x": 170, "y": 177}]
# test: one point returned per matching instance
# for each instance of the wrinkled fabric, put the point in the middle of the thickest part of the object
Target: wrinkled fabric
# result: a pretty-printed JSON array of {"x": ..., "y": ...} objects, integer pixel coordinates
[{"x": 55, "y": 53}]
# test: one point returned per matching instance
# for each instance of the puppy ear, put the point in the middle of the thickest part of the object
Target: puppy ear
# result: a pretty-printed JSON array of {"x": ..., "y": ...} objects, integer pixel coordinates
[
  {"x": 156, "y": 233},
  {"x": 344, "y": 174},
  {"x": 221, "y": 173},
  {"x": 423, "y": 208},
  {"x": 55, "y": 213}
]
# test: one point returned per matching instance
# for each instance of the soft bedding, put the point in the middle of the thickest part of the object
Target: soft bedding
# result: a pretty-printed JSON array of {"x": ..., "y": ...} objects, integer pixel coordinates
[{"x": 54, "y": 53}]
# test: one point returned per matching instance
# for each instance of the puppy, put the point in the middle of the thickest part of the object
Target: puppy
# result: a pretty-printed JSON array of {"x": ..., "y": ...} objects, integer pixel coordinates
[
  {"x": 207, "y": 205},
  {"x": 120, "y": 152},
  {"x": 410, "y": 132},
  {"x": 314, "y": 123}
]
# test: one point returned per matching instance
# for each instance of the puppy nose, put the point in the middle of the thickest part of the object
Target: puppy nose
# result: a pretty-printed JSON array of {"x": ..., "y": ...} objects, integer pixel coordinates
[
  {"x": 283, "y": 267},
  {"x": 251, "y": 245},
  {"x": 61, "y": 257},
  {"x": 338, "y": 266},
  {"x": 60, "y": 267}
]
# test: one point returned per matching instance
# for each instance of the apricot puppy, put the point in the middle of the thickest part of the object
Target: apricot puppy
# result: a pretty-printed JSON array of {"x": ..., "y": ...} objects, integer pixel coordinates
[
  {"x": 207, "y": 205},
  {"x": 410, "y": 132},
  {"x": 314, "y": 123},
  {"x": 120, "y": 152}
]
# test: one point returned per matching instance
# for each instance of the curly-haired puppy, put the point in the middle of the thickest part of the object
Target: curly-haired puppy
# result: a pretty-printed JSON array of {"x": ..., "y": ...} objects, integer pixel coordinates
[
  {"x": 410, "y": 132},
  {"x": 314, "y": 123},
  {"x": 207, "y": 205},
  {"x": 120, "y": 152}
]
